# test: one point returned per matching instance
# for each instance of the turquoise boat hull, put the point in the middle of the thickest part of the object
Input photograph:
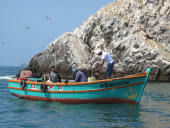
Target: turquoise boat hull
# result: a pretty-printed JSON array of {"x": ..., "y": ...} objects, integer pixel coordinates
[{"x": 127, "y": 89}]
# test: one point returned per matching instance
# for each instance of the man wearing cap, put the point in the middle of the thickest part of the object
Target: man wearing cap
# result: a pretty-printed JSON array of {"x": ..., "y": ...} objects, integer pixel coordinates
[
  {"x": 106, "y": 57},
  {"x": 80, "y": 76}
]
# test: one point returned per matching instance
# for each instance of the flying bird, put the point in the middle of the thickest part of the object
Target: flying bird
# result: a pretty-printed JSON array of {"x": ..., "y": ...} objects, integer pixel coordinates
[
  {"x": 27, "y": 27},
  {"x": 48, "y": 18},
  {"x": 59, "y": 1},
  {"x": 2, "y": 42}
]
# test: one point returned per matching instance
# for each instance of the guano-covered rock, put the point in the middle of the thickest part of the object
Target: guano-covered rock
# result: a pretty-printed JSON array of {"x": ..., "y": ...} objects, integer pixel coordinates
[{"x": 135, "y": 32}]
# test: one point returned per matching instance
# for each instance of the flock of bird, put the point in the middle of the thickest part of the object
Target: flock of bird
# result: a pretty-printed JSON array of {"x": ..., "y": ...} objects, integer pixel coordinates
[
  {"x": 28, "y": 27},
  {"x": 46, "y": 17}
]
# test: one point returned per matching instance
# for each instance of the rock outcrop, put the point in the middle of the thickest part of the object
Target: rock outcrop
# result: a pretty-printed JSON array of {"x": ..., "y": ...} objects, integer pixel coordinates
[{"x": 135, "y": 32}]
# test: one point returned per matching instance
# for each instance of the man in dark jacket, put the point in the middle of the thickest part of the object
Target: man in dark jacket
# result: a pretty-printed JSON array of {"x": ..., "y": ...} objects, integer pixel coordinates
[
  {"x": 54, "y": 76},
  {"x": 80, "y": 76}
]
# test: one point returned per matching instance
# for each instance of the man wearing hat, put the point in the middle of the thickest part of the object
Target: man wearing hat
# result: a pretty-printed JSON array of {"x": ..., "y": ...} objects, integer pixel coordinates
[
  {"x": 80, "y": 76},
  {"x": 106, "y": 57}
]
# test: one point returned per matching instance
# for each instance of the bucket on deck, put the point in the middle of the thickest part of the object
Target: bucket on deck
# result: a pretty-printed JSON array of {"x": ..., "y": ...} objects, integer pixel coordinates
[{"x": 91, "y": 79}]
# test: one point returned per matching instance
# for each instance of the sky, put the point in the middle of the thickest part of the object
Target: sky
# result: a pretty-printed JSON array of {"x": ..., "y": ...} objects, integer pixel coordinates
[{"x": 27, "y": 27}]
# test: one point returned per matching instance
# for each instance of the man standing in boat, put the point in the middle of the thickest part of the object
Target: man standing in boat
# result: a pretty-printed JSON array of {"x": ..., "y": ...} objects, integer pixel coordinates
[
  {"x": 54, "y": 76},
  {"x": 80, "y": 76},
  {"x": 106, "y": 57}
]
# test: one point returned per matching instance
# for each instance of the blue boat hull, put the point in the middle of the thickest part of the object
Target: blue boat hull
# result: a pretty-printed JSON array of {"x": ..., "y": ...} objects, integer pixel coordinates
[{"x": 128, "y": 89}]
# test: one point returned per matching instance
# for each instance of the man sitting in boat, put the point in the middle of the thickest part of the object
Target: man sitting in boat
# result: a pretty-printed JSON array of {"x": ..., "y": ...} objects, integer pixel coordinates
[
  {"x": 54, "y": 76},
  {"x": 80, "y": 76},
  {"x": 106, "y": 57}
]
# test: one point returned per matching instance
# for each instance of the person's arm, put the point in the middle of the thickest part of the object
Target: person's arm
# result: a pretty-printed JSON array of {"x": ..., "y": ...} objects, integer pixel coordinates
[
  {"x": 59, "y": 78},
  {"x": 101, "y": 65},
  {"x": 78, "y": 75}
]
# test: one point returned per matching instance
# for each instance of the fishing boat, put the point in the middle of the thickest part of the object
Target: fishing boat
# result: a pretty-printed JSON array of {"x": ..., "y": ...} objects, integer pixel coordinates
[{"x": 127, "y": 89}]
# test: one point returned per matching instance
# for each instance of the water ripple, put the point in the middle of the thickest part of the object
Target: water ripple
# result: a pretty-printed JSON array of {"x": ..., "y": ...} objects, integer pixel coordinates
[{"x": 152, "y": 112}]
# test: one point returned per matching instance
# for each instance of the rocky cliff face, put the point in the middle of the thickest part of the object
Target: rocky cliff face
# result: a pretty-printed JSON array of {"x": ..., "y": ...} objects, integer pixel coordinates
[{"x": 135, "y": 32}]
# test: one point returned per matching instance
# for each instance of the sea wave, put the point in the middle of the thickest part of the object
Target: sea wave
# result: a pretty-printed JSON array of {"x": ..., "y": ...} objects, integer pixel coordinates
[{"x": 7, "y": 77}]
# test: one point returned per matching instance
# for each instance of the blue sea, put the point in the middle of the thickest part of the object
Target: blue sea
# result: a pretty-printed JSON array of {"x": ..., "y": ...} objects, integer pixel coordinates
[{"x": 152, "y": 112}]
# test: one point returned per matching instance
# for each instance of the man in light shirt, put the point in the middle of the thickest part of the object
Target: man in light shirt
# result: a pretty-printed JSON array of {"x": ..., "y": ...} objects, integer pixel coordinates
[{"x": 106, "y": 57}]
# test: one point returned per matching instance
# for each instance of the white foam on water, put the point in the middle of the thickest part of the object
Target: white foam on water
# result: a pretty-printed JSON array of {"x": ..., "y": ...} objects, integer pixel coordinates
[{"x": 7, "y": 77}]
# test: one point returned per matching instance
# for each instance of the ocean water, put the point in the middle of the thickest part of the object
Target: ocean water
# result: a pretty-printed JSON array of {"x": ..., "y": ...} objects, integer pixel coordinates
[{"x": 152, "y": 112}]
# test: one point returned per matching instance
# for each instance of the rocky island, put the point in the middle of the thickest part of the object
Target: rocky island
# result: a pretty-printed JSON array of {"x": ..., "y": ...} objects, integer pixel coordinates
[{"x": 135, "y": 32}]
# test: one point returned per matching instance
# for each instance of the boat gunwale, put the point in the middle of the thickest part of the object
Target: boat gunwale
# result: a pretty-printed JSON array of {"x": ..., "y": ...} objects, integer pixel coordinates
[
  {"x": 83, "y": 83},
  {"x": 94, "y": 90}
]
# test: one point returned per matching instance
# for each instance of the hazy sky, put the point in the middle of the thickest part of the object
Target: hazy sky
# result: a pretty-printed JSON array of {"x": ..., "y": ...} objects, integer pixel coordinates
[{"x": 28, "y": 26}]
